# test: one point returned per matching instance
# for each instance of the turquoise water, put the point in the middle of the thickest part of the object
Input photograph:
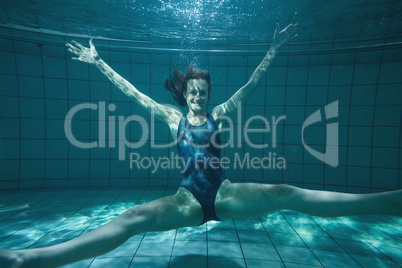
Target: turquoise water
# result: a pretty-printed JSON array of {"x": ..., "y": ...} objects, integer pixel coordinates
[
  {"x": 348, "y": 54},
  {"x": 224, "y": 21},
  {"x": 34, "y": 218}
]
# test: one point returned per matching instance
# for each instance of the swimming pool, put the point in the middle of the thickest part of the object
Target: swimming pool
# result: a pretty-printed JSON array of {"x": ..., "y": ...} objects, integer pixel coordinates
[{"x": 342, "y": 73}]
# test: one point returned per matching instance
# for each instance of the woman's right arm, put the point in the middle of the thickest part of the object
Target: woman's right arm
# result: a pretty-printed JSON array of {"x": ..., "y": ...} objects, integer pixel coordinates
[
  {"x": 167, "y": 114},
  {"x": 241, "y": 95}
]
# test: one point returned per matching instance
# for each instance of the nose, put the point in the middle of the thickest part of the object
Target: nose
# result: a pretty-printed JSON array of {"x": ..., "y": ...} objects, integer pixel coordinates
[{"x": 197, "y": 96}]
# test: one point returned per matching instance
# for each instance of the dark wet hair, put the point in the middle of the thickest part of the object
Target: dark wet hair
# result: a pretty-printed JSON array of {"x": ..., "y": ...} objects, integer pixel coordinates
[{"x": 177, "y": 83}]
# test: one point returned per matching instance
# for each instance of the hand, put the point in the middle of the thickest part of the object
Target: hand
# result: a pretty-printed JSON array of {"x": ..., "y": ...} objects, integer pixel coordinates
[
  {"x": 282, "y": 37},
  {"x": 84, "y": 54}
]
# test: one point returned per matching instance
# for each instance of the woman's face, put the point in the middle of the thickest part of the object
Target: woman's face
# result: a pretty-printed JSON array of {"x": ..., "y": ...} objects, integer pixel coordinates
[{"x": 196, "y": 94}]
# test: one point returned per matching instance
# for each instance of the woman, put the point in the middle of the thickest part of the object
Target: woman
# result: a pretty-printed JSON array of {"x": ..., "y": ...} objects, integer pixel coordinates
[{"x": 205, "y": 193}]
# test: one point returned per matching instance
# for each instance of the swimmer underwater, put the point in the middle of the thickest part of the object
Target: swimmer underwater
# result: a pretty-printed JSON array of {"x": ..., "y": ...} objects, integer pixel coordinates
[{"x": 205, "y": 193}]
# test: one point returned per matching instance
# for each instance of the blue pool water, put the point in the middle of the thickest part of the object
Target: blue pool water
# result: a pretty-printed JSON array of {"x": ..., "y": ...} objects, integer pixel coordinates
[
  {"x": 35, "y": 218},
  {"x": 345, "y": 65}
]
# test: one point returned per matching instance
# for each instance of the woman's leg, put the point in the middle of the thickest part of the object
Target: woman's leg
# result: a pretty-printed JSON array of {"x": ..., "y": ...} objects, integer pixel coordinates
[
  {"x": 250, "y": 199},
  {"x": 166, "y": 213}
]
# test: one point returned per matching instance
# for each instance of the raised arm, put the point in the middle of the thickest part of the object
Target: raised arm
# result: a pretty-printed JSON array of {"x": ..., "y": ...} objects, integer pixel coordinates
[
  {"x": 167, "y": 114},
  {"x": 241, "y": 95}
]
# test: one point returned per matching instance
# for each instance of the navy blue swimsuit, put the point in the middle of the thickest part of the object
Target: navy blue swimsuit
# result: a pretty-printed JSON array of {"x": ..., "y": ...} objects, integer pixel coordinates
[{"x": 199, "y": 149}]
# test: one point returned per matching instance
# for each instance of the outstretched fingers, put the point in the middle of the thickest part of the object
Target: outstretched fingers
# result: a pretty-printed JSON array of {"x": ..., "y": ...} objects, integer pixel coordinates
[
  {"x": 78, "y": 44},
  {"x": 290, "y": 30},
  {"x": 283, "y": 36},
  {"x": 290, "y": 27},
  {"x": 84, "y": 54},
  {"x": 73, "y": 49},
  {"x": 77, "y": 48}
]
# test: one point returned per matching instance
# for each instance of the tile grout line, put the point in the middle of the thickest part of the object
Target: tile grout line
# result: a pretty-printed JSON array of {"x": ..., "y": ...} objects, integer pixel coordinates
[
  {"x": 26, "y": 225},
  {"x": 310, "y": 249},
  {"x": 59, "y": 223},
  {"x": 238, "y": 239},
  {"x": 273, "y": 244},
  {"x": 143, "y": 235}
]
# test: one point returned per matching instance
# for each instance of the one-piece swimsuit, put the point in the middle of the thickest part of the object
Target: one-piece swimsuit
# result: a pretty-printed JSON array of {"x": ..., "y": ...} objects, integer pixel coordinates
[{"x": 199, "y": 149}]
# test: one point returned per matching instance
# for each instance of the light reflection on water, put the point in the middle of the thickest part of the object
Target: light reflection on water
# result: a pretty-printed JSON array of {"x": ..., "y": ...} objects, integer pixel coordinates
[
  {"x": 13, "y": 208},
  {"x": 58, "y": 227},
  {"x": 375, "y": 236}
]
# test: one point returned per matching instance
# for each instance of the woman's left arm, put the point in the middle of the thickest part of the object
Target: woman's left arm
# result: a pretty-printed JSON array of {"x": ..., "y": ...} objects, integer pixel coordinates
[{"x": 241, "y": 95}]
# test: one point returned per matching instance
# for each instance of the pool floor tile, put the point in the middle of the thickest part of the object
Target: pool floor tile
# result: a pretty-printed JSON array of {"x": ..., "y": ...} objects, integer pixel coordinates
[
  {"x": 219, "y": 262},
  {"x": 128, "y": 249},
  {"x": 111, "y": 262},
  {"x": 260, "y": 252},
  {"x": 283, "y": 239},
  {"x": 30, "y": 218},
  {"x": 184, "y": 248},
  {"x": 191, "y": 234},
  {"x": 149, "y": 262},
  {"x": 368, "y": 262},
  {"x": 335, "y": 259},
  {"x": 297, "y": 255},
  {"x": 320, "y": 242},
  {"x": 222, "y": 235},
  {"x": 260, "y": 237},
  {"x": 193, "y": 261},
  {"x": 279, "y": 228},
  {"x": 261, "y": 263},
  {"x": 227, "y": 249},
  {"x": 360, "y": 248},
  {"x": 298, "y": 265},
  {"x": 155, "y": 249}
]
